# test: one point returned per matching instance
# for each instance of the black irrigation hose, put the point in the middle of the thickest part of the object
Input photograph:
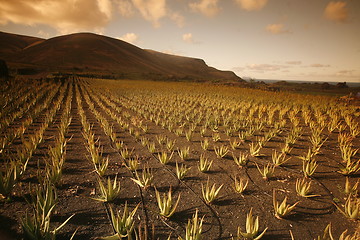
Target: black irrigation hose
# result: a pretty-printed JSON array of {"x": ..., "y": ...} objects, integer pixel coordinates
[
  {"x": 109, "y": 217},
  {"x": 211, "y": 209},
  {"x": 206, "y": 204},
  {"x": 106, "y": 206},
  {"x": 139, "y": 188},
  {"x": 248, "y": 175},
  {"x": 141, "y": 194}
]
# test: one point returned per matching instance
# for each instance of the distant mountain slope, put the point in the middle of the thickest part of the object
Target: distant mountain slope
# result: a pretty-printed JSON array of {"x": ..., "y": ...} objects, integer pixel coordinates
[
  {"x": 88, "y": 52},
  {"x": 11, "y": 44}
]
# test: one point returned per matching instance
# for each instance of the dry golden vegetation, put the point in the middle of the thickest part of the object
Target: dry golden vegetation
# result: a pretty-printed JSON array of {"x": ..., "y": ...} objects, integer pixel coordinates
[{"x": 93, "y": 158}]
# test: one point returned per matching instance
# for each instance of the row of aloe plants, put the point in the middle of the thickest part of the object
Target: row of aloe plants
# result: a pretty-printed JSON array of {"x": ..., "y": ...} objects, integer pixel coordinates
[{"x": 302, "y": 186}]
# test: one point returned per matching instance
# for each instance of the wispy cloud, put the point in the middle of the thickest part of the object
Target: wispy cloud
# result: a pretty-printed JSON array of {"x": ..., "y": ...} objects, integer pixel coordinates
[
  {"x": 65, "y": 16},
  {"x": 188, "y": 37},
  {"x": 126, "y": 8},
  {"x": 130, "y": 38},
  {"x": 336, "y": 11},
  {"x": 252, "y": 5},
  {"x": 294, "y": 62},
  {"x": 277, "y": 28},
  {"x": 208, "y": 8},
  {"x": 319, "y": 65},
  {"x": 43, "y": 34},
  {"x": 177, "y": 18},
  {"x": 151, "y": 10},
  {"x": 344, "y": 73},
  {"x": 265, "y": 67}
]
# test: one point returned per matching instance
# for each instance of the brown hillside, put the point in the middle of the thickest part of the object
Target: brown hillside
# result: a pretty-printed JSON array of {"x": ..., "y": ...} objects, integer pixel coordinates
[
  {"x": 11, "y": 44},
  {"x": 88, "y": 52}
]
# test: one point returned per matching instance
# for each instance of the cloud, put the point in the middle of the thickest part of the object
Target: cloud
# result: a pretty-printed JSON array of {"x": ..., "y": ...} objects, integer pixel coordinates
[
  {"x": 126, "y": 8},
  {"x": 294, "y": 62},
  {"x": 187, "y": 37},
  {"x": 252, "y": 5},
  {"x": 129, "y": 37},
  {"x": 177, "y": 18},
  {"x": 319, "y": 65},
  {"x": 208, "y": 8},
  {"x": 43, "y": 34},
  {"x": 65, "y": 16},
  {"x": 151, "y": 10},
  {"x": 336, "y": 11},
  {"x": 277, "y": 28},
  {"x": 238, "y": 69},
  {"x": 344, "y": 73},
  {"x": 265, "y": 67}
]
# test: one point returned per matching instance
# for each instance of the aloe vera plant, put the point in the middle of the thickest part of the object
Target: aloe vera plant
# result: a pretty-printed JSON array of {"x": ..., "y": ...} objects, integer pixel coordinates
[
  {"x": 132, "y": 163},
  {"x": 303, "y": 188},
  {"x": 184, "y": 153},
  {"x": 351, "y": 208},
  {"x": 170, "y": 144},
  {"x": 151, "y": 147},
  {"x": 267, "y": 171},
  {"x": 122, "y": 225},
  {"x": 181, "y": 171},
  {"x": 101, "y": 166},
  {"x": 210, "y": 194},
  {"x": 327, "y": 235},
  {"x": 204, "y": 164},
  {"x": 235, "y": 144},
  {"x": 38, "y": 225},
  {"x": 164, "y": 158},
  {"x": 221, "y": 151},
  {"x": 125, "y": 153},
  {"x": 279, "y": 158},
  {"x": 309, "y": 156},
  {"x": 282, "y": 210},
  {"x": 350, "y": 168},
  {"x": 166, "y": 204},
  {"x": 146, "y": 178},
  {"x": 240, "y": 185},
  {"x": 252, "y": 228},
  {"x": 194, "y": 228},
  {"x": 286, "y": 148},
  {"x": 119, "y": 145},
  {"x": 144, "y": 141},
  {"x": 345, "y": 236},
  {"x": 8, "y": 179},
  {"x": 350, "y": 190},
  {"x": 216, "y": 137},
  {"x": 255, "y": 149},
  {"x": 347, "y": 152},
  {"x": 309, "y": 167},
  {"x": 161, "y": 139},
  {"x": 35, "y": 228},
  {"x": 109, "y": 192},
  {"x": 205, "y": 144},
  {"x": 242, "y": 160},
  {"x": 189, "y": 135}
]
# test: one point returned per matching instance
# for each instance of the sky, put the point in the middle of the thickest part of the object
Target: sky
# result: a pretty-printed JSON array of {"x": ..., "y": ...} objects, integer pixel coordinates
[{"x": 310, "y": 40}]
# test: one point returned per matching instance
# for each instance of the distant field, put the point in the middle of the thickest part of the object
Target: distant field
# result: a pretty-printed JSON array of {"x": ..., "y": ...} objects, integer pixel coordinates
[
  {"x": 255, "y": 148},
  {"x": 350, "y": 84}
]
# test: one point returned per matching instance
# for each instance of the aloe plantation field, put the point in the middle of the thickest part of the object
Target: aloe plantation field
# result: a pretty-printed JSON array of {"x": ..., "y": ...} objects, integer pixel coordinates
[{"x": 113, "y": 159}]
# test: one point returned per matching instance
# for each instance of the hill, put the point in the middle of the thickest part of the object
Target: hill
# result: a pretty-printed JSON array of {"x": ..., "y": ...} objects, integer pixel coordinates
[
  {"x": 11, "y": 44},
  {"x": 97, "y": 54}
]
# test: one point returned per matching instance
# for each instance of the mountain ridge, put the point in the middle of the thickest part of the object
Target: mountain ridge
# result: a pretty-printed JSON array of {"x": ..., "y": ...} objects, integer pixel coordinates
[{"x": 92, "y": 53}]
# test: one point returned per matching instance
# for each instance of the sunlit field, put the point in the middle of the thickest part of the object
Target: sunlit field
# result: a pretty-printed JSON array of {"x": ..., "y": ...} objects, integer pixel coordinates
[{"x": 115, "y": 159}]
